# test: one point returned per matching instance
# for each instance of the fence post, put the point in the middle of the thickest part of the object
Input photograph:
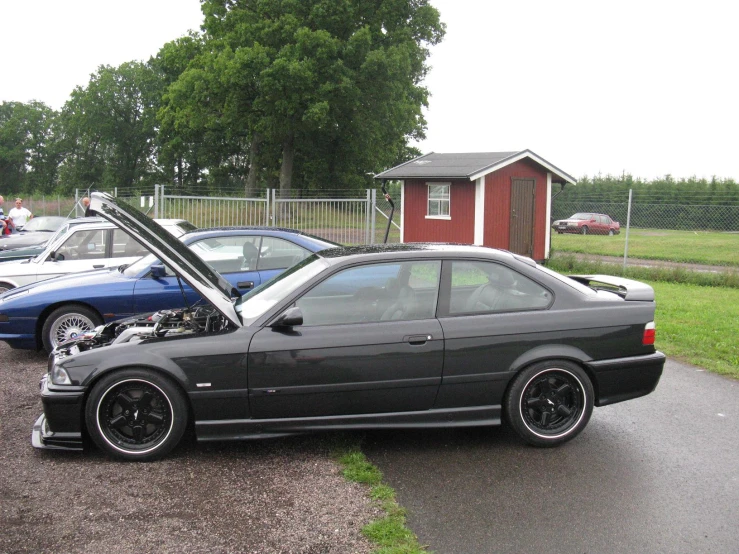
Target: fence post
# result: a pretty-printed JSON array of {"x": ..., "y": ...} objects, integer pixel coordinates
[
  {"x": 156, "y": 201},
  {"x": 274, "y": 202},
  {"x": 373, "y": 219},
  {"x": 76, "y": 201},
  {"x": 628, "y": 224},
  {"x": 368, "y": 208}
]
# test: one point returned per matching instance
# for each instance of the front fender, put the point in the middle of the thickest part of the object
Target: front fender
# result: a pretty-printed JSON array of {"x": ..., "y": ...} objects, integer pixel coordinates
[{"x": 88, "y": 367}]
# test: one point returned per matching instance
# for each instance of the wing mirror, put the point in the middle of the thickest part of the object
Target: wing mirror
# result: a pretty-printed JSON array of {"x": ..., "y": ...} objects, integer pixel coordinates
[
  {"x": 289, "y": 318},
  {"x": 56, "y": 257},
  {"x": 158, "y": 271}
]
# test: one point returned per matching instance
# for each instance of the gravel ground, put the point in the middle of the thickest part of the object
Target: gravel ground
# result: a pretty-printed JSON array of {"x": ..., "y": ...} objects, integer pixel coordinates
[{"x": 283, "y": 495}]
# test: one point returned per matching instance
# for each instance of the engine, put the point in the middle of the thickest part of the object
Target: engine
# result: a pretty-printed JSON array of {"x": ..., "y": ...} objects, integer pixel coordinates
[{"x": 161, "y": 324}]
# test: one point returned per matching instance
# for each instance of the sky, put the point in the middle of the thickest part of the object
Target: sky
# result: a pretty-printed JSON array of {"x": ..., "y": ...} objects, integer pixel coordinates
[{"x": 646, "y": 88}]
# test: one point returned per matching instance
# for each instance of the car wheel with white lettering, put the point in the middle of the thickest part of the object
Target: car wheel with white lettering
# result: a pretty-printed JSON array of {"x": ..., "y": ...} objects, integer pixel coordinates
[
  {"x": 550, "y": 402},
  {"x": 136, "y": 414}
]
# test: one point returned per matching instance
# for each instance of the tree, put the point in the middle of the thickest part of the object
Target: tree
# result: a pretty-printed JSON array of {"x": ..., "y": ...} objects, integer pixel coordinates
[
  {"x": 110, "y": 129},
  {"x": 29, "y": 156},
  {"x": 332, "y": 86}
]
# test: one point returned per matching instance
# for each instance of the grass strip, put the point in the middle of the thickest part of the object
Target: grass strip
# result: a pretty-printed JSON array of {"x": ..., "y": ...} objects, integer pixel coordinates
[
  {"x": 571, "y": 264},
  {"x": 697, "y": 313},
  {"x": 701, "y": 247},
  {"x": 389, "y": 533}
]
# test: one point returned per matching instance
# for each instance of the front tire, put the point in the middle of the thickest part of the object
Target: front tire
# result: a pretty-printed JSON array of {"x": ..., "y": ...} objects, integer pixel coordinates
[
  {"x": 136, "y": 414},
  {"x": 584, "y": 230},
  {"x": 66, "y": 323},
  {"x": 611, "y": 233},
  {"x": 5, "y": 287},
  {"x": 549, "y": 403}
]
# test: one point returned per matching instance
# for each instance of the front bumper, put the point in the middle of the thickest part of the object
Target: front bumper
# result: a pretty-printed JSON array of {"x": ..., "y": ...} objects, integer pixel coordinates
[
  {"x": 626, "y": 378},
  {"x": 60, "y": 426}
]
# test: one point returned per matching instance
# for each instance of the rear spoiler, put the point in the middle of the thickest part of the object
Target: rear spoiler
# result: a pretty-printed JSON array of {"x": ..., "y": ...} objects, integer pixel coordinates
[{"x": 625, "y": 288}]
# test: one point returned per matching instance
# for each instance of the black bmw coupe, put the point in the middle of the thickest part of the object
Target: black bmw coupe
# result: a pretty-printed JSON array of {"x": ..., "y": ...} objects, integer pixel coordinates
[{"x": 408, "y": 335}]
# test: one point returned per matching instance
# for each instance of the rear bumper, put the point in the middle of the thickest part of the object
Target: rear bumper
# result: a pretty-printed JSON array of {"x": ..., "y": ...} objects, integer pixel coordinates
[
  {"x": 60, "y": 426},
  {"x": 625, "y": 378}
]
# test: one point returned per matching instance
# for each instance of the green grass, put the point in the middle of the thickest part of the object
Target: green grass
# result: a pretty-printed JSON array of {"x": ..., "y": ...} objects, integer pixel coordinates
[
  {"x": 699, "y": 325},
  {"x": 389, "y": 533},
  {"x": 657, "y": 244},
  {"x": 568, "y": 263}
]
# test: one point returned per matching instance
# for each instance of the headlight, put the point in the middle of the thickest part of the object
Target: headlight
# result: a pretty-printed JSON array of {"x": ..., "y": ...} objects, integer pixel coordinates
[{"x": 59, "y": 376}]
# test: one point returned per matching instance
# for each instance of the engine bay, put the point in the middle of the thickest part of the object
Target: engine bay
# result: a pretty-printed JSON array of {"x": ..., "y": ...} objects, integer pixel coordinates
[{"x": 162, "y": 324}]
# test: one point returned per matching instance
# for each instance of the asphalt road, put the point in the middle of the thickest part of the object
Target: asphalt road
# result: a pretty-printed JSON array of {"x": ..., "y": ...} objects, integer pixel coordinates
[{"x": 656, "y": 474}]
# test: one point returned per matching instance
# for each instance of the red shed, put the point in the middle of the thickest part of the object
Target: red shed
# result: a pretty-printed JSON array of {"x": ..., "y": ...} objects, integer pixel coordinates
[{"x": 498, "y": 199}]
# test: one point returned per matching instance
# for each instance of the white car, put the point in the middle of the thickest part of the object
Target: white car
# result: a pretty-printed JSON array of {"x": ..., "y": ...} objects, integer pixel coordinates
[{"x": 84, "y": 247}]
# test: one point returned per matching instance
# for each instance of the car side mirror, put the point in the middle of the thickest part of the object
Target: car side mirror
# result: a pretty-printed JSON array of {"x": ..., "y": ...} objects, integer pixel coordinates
[
  {"x": 158, "y": 271},
  {"x": 289, "y": 318},
  {"x": 53, "y": 256}
]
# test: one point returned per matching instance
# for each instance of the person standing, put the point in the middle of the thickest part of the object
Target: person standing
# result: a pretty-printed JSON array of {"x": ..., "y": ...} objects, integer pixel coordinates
[
  {"x": 89, "y": 212},
  {"x": 20, "y": 215}
]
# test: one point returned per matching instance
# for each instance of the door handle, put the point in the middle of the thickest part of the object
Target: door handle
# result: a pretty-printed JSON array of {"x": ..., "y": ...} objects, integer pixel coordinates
[
  {"x": 245, "y": 284},
  {"x": 417, "y": 340},
  {"x": 98, "y": 266}
]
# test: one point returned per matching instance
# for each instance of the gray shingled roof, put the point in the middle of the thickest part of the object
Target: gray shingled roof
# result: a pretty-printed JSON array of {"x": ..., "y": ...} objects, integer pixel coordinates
[{"x": 464, "y": 166}]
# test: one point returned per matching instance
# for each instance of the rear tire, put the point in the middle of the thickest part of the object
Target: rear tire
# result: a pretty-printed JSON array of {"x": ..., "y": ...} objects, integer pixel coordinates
[
  {"x": 5, "y": 287},
  {"x": 549, "y": 403},
  {"x": 68, "y": 322},
  {"x": 136, "y": 414}
]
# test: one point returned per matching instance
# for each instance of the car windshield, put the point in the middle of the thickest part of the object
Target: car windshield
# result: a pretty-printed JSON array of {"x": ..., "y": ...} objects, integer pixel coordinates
[
  {"x": 254, "y": 305},
  {"x": 47, "y": 224},
  {"x": 581, "y": 216}
]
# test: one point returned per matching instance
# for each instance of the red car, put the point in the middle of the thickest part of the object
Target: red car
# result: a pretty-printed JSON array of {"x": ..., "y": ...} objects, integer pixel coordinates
[{"x": 587, "y": 224}]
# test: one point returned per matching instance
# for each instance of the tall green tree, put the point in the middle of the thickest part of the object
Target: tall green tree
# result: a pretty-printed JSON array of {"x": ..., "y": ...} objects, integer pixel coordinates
[
  {"x": 110, "y": 128},
  {"x": 29, "y": 154},
  {"x": 325, "y": 90}
]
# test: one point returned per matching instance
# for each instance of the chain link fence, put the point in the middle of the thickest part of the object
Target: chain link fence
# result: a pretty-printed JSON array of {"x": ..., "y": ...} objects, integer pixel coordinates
[
  {"x": 651, "y": 214},
  {"x": 702, "y": 230}
]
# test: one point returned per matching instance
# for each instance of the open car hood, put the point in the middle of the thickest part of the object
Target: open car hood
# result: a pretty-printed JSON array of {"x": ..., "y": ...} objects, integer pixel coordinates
[{"x": 180, "y": 259}]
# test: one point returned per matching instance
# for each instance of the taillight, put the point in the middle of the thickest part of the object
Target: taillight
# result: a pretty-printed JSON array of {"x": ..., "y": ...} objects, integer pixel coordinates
[{"x": 648, "y": 337}]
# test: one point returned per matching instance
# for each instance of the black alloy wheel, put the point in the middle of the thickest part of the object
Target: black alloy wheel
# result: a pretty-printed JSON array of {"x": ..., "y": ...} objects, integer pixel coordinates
[
  {"x": 550, "y": 402},
  {"x": 136, "y": 415}
]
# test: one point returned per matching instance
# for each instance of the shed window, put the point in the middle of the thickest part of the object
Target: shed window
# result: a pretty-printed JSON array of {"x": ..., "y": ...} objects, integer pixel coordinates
[{"x": 438, "y": 205}]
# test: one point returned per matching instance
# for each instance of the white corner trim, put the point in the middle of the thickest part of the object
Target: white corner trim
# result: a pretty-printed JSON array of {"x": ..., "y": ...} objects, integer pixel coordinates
[
  {"x": 479, "y": 211},
  {"x": 548, "y": 235},
  {"x": 402, "y": 210}
]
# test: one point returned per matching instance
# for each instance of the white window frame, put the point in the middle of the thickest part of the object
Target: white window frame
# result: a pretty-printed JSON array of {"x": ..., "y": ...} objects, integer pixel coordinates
[{"x": 448, "y": 201}]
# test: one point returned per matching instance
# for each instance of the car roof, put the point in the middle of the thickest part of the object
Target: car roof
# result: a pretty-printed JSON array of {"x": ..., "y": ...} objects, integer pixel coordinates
[{"x": 424, "y": 249}]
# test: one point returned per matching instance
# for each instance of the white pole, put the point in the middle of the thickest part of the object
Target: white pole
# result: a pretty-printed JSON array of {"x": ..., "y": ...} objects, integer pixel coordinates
[{"x": 628, "y": 224}]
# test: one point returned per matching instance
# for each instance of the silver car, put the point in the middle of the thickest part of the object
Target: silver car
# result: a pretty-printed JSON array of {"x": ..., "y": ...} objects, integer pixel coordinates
[{"x": 83, "y": 247}]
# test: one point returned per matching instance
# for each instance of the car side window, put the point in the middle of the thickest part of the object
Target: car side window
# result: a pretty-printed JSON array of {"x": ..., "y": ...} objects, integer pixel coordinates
[
  {"x": 398, "y": 291},
  {"x": 84, "y": 245},
  {"x": 126, "y": 247},
  {"x": 229, "y": 254},
  {"x": 277, "y": 253},
  {"x": 488, "y": 287}
]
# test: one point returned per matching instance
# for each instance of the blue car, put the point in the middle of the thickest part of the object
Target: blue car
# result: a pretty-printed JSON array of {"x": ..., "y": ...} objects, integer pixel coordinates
[{"x": 47, "y": 313}]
